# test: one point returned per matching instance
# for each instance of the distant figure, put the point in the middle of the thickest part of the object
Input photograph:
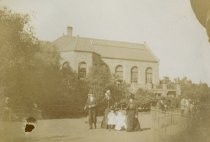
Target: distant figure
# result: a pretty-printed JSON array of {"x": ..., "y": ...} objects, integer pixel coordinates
[
  {"x": 187, "y": 108},
  {"x": 91, "y": 107},
  {"x": 132, "y": 115},
  {"x": 182, "y": 103},
  {"x": 191, "y": 108},
  {"x": 163, "y": 106},
  {"x": 111, "y": 119}
]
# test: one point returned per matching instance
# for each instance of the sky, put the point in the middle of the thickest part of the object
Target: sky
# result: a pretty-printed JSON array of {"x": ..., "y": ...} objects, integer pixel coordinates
[{"x": 169, "y": 27}]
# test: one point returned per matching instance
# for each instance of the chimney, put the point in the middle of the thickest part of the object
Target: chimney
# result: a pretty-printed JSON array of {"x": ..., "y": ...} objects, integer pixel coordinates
[{"x": 69, "y": 31}]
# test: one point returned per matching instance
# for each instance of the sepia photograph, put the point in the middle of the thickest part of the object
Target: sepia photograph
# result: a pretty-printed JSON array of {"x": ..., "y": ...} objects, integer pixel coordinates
[{"x": 104, "y": 70}]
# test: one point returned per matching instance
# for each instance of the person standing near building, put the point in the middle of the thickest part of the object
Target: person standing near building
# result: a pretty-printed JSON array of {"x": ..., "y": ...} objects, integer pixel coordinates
[
  {"x": 107, "y": 98},
  {"x": 182, "y": 104},
  {"x": 111, "y": 119},
  {"x": 132, "y": 115},
  {"x": 91, "y": 107}
]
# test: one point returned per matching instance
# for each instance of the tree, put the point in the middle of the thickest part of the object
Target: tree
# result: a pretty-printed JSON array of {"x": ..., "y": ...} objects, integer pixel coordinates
[
  {"x": 145, "y": 97},
  {"x": 17, "y": 48},
  {"x": 100, "y": 80},
  {"x": 29, "y": 68}
]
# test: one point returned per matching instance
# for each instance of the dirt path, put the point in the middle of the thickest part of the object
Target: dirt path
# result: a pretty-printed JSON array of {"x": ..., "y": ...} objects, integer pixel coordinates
[{"x": 76, "y": 130}]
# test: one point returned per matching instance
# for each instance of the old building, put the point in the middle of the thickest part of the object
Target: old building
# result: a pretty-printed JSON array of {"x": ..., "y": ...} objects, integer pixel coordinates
[{"x": 132, "y": 62}]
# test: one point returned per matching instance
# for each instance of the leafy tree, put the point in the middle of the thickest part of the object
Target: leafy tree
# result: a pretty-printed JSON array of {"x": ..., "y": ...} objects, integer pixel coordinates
[
  {"x": 17, "y": 48},
  {"x": 29, "y": 68},
  {"x": 145, "y": 97},
  {"x": 100, "y": 80}
]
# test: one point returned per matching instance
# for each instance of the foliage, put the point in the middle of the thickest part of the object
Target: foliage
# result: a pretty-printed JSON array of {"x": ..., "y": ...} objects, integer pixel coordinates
[
  {"x": 195, "y": 91},
  {"x": 145, "y": 97},
  {"x": 30, "y": 72},
  {"x": 17, "y": 48},
  {"x": 100, "y": 79}
]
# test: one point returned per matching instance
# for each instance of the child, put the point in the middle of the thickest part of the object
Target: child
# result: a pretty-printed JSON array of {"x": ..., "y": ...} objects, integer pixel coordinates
[
  {"x": 111, "y": 119},
  {"x": 120, "y": 120}
]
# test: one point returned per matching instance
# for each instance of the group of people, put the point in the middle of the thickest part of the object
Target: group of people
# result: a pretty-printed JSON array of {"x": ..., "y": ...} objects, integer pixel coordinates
[
  {"x": 114, "y": 118},
  {"x": 187, "y": 106}
]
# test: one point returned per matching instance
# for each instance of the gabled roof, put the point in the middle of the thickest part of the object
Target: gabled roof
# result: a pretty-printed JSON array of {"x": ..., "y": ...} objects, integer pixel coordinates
[{"x": 106, "y": 48}]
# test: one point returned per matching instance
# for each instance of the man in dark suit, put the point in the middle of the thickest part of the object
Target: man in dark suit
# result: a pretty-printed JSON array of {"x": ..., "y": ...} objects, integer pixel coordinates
[{"x": 91, "y": 107}]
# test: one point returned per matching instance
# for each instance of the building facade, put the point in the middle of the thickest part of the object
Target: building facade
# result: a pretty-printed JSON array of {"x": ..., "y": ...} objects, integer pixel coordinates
[{"x": 132, "y": 62}]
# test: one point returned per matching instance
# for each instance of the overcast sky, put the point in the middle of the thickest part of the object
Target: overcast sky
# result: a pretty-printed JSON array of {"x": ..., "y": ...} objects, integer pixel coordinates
[{"x": 169, "y": 27}]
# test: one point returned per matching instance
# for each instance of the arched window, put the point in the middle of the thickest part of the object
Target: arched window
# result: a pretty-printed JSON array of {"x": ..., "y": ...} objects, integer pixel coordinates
[
  {"x": 65, "y": 65},
  {"x": 119, "y": 72},
  {"x": 82, "y": 70},
  {"x": 149, "y": 75},
  {"x": 134, "y": 75}
]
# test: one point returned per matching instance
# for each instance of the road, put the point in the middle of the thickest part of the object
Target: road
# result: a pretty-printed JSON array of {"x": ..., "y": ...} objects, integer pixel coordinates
[{"x": 76, "y": 130}]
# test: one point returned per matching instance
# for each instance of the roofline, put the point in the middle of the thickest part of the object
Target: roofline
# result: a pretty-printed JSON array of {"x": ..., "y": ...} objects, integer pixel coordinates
[
  {"x": 150, "y": 51},
  {"x": 81, "y": 51},
  {"x": 112, "y": 57},
  {"x": 131, "y": 59},
  {"x": 116, "y": 41}
]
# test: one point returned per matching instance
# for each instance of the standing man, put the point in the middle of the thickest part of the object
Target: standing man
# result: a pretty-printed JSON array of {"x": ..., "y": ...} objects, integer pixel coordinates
[{"x": 91, "y": 107}]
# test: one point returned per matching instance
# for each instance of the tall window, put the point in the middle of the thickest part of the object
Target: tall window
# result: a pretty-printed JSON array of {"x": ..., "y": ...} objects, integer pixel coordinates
[
  {"x": 134, "y": 75},
  {"x": 82, "y": 70},
  {"x": 119, "y": 72},
  {"x": 149, "y": 75},
  {"x": 66, "y": 65}
]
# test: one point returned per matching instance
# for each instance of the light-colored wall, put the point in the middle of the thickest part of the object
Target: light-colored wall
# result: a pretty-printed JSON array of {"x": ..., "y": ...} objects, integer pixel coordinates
[
  {"x": 69, "y": 57},
  {"x": 74, "y": 58},
  {"x": 128, "y": 64}
]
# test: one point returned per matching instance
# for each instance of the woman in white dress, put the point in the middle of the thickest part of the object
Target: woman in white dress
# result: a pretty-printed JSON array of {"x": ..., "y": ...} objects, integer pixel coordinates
[
  {"x": 120, "y": 120},
  {"x": 111, "y": 119}
]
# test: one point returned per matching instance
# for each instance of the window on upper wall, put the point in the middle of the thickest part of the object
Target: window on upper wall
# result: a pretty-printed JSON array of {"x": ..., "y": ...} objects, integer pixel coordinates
[
  {"x": 149, "y": 75},
  {"x": 66, "y": 65},
  {"x": 134, "y": 75},
  {"x": 82, "y": 70},
  {"x": 119, "y": 72}
]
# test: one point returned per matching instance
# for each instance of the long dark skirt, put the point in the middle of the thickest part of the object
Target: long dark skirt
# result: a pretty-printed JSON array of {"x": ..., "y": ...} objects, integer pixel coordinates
[{"x": 132, "y": 122}]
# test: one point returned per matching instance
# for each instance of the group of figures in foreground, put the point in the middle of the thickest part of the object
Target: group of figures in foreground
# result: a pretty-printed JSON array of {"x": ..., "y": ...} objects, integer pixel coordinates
[{"x": 114, "y": 118}]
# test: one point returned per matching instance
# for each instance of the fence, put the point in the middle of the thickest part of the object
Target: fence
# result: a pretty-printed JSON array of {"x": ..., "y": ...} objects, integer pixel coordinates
[{"x": 169, "y": 122}]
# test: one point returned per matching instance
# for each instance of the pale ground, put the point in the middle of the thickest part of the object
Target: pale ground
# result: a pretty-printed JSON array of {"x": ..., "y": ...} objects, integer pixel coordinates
[{"x": 75, "y": 130}]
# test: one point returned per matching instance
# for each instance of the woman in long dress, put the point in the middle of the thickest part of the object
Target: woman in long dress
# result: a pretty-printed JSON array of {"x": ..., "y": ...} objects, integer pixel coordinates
[
  {"x": 132, "y": 115},
  {"x": 107, "y": 98}
]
